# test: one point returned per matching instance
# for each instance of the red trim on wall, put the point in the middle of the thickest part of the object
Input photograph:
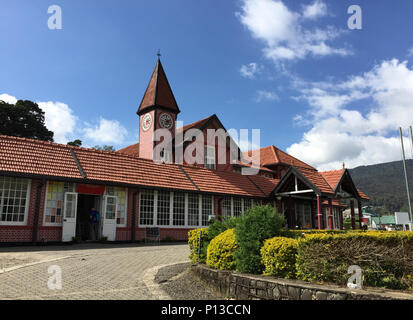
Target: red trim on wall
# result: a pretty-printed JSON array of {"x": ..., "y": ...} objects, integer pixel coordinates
[{"x": 90, "y": 189}]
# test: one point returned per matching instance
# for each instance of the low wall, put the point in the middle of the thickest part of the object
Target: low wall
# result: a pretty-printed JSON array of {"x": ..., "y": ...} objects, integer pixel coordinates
[{"x": 245, "y": 286}]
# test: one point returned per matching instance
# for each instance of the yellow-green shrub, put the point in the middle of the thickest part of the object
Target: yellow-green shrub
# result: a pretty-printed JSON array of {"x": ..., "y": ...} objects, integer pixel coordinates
[
  {"x": 193, "y": 242},
  {"x": 386, "y": 258},
  {"x": 220, "y": 253},
  {"x": 279, "y": 256}
]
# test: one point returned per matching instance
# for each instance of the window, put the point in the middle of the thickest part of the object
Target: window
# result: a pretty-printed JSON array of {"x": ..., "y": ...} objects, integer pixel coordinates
[
  {"x": 165, "y": 156},
  {"x": 237, "y": 207},
  {"x": 303, "y": 215},
  {"x": 210, "y": 157},
  {"x": 175, "y": 209},
  {"x": 122, "y": 195},
  {"x": 247, "y": 204},
  {"x": 14, "y": 199},
  {"x": 147, "y": 202},
  {"x": 54, "y": 204},
  {"x": 193, "y": 209},
  {"x": 179, "y": 209},
  {"x": 163, "y": 216},
  {"x": 207, "y": 205},
  {"x": 227, "y": 208}
]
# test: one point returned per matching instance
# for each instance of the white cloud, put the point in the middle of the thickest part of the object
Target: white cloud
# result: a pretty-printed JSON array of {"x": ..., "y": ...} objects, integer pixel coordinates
[
  {"x": 60, "y": 119},
  {"x": 410, "y": 52},
  {"x": 341, "y": 132},
  {"x": 283, "y": 33},
  {"x": 314, "y": 10},
  {"x": 107, "y": 131},
  {"x": 8, "y": 98},
  {"x": 263, "y": 95},
  {"x": 250, "y": 70}
]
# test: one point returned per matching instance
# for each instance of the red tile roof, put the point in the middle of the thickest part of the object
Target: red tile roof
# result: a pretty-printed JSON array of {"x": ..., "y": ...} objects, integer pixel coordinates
[
  {"x": 196, "y": 125},
  {"x": 132, "y": 150},
  {"x": 363, "y": 195},
  {"x": 272, "y": 155},
  {"x": 317, "y": 179},
  {"x": 158, "y": 92},
  {"x": 333, "y": 177},
  {"x": 28, "y": 156},
  {"x": 226, "y": 182}
]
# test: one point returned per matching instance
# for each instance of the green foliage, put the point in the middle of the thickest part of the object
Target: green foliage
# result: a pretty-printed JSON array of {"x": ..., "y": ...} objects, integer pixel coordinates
[
  {"x": 75, "y": 143},
  {"x": 217, "y": 227},
  {"x": 297, "y": 234},
  {"x": 384, "y": 184},
  {"x": 193, "y": 242},
  {"x": 279, "y": 256},
  {"x": 386, "y": 258},
  {"x": 256, "y": 225},
  {"x": 221, "y": 250},
  {"x": 25, "y": 119},
  {"x": 104, "y": 148}
]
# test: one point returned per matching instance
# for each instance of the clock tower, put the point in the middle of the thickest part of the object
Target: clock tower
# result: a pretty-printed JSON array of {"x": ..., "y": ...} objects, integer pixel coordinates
[{"x": 158, "y": 110}]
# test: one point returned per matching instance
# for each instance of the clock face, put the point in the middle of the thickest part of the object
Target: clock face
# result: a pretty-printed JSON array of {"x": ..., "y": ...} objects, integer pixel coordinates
[
  {"x": 146, "y": 121},
  {"x": 165, "y": 120}
]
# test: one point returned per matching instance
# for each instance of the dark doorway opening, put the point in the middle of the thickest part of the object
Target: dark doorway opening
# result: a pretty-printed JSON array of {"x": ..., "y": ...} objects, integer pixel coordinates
[{"x": 85, "y": 203}]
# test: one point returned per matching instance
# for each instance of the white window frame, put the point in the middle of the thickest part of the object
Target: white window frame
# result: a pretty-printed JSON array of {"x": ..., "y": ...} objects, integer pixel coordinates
[
  {"x": 208, "y": 157},
  {"x": 242, "y": 205},
  {"x": 171, "y": 208},
  {"x": 26, "y": 209}
]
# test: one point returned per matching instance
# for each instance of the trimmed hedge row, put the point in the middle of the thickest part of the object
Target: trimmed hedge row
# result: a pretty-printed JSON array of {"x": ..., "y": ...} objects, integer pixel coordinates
[{"x": 386, "y": 258}]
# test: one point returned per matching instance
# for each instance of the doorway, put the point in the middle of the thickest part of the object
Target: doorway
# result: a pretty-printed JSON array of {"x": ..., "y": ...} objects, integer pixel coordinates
[{"x": 85, "y": 203}]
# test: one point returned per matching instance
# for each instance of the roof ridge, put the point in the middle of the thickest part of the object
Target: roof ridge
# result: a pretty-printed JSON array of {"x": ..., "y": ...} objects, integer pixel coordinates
[{"x": 275, "y": 153}]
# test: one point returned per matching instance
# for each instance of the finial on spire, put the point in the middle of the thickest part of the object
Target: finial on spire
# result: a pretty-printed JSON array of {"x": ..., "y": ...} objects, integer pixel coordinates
[{"x": 159, "y": 54}]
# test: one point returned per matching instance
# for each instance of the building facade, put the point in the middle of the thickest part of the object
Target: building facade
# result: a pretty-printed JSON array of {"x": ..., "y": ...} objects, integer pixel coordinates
[{"x": 47, "y": 189}]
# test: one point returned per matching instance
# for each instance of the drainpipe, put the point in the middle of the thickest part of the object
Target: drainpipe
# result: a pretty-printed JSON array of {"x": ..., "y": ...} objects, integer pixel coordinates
[
  {"x": 37, "y": 210},
  {"x": 133, "y": 222}
]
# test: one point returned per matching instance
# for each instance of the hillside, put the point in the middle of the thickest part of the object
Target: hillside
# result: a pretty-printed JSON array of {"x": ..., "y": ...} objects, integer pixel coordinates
[{"x": 385, "y": 185}]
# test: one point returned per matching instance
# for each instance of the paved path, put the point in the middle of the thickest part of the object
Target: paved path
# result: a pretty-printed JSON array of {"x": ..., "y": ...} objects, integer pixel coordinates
[{"x": 94, "y": 271}]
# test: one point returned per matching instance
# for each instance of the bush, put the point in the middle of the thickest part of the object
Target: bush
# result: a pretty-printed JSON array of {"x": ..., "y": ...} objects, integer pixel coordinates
[
  {"x": 221, "y": 251},
  {"x": 218, "y": 227},
  {"x": 258, "y": 224},
  {"x": 297, "y": 234},
  {"x": 279, "y": 256},
  {"x": 386, "y": 258},
  {"x": 193, "y": 242}
]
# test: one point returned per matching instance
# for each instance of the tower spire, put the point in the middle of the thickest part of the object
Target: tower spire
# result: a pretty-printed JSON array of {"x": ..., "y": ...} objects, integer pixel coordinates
[{"x": 158, "y": 94}]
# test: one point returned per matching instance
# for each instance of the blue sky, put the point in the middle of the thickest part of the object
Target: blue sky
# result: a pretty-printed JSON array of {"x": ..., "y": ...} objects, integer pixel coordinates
[{"x": 293, "y": 69}]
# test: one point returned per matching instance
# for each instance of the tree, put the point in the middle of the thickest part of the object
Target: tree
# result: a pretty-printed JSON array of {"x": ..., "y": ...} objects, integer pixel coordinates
[
  {"x": 25, "y": 119},
  {"x": 75, "y": 143},
  {"x": 104, "y": 148}
]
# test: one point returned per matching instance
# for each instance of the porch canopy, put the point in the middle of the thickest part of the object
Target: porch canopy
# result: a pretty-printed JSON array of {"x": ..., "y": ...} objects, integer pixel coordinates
[{"x": 317, "y": 190}]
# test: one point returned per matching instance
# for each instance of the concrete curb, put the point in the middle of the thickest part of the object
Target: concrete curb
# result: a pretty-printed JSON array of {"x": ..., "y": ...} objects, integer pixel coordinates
[{"x": 155, "y": 288}]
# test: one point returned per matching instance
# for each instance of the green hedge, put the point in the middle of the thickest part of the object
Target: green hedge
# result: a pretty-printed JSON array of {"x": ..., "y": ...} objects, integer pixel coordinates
[
  {"x": 193, "y": 242},
  {"x": 221, "y": 251},
  {"x": 252, "y": 229},
  {"x": 279, "y": 257},
  {"x": 386, "y": 258}
]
